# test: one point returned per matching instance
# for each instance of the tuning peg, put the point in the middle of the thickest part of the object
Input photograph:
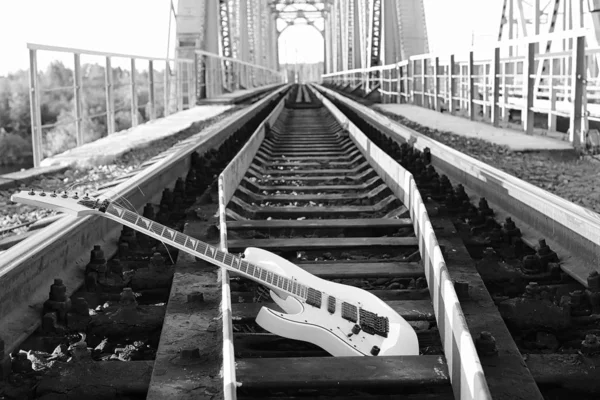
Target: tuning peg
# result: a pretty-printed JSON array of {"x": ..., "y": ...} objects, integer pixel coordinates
[
  {"x": 64, "y": 195},
  {"x": 31, "y": 192},
  {"x": 53, "y": 193},
  {"x": 87, "y": 197},
  {"x": 42, "y": 193},
  {"x": 76, "y": 195}
]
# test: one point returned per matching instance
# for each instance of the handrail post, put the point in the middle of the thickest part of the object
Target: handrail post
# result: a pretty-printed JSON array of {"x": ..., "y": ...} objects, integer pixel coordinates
[
  {"x": 411, "y": 75},
  {"x": 151, "y": 93},
  {"x": 451, "y": 85},
  {"x": 496, "y": 87},
  {"x": 178, "y": 91},
  {"x": 471, "y": 88},
  {"x": 77, "y": 99},
  {"x": 191, "y": 91},
  {"x": 528, "y": 88},
  {"x": 424, "y": 97},
  {"x": 578, "y": 76},
  {"x": 166, "y": 89},
  {"x": 134, "y": 114},
  {"x": 110, "y": 98},
  {"x": 36, "y": 112},
  {"x": 552, "y": 97},
  {"x": 504, "y": 93},
  {"x": 436, "y": 83},
  {"x": 399, "y": 76},
  {"x": 381, "y": 85}
]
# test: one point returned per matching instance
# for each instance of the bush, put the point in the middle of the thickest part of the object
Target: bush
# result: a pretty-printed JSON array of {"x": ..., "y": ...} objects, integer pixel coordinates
[
  {"x": 13, "y": 149},
  {"x": 63, "y": 137}
]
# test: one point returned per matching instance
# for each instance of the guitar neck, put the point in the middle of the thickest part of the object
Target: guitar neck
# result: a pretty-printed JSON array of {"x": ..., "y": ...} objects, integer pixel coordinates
[{"x": 205, "y": 251}]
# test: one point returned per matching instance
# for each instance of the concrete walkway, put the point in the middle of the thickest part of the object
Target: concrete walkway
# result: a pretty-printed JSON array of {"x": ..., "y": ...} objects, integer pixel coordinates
[
  {"x": 513, "y": 139},
  {"x": 109, "y": 148}
]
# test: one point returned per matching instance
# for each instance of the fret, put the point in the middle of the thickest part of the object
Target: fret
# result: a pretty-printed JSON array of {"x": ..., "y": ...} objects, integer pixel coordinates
[
  {"x": 199, "y": 245},
  {"x": 143, "y": 223},
  {"x": 294, "y": 287},
  {"x": 186, "y": 240},
  {"x": 263, "y": 275},
  {"x": 257, "y": 271},
  {"x": 125, "y": 215},
  {"x": 166, "y": 233},
  {"x": 229, "y": 260},
  {"x": 270, "y": 277},
  {"x": 286, "y": 284},
  {"x": 191, "y": 245},
  {"x": 136, "y": 219},
  {"x": 154, "y": 227},
  {"x": 276, "y": 282},
  {"x": 244, "y": 266},
  {"x": 180, "y": 238},
  {"x": 218, "y": 255},
  {"x": 250, "y": 268}
]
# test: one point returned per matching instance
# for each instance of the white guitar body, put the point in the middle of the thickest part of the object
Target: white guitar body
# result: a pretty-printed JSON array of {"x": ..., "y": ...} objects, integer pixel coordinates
[{"x": 331, "y": 332}]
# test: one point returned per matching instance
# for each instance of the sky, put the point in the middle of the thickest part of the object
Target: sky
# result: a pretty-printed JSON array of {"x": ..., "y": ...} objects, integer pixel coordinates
[{"x": 141, "y": 27}]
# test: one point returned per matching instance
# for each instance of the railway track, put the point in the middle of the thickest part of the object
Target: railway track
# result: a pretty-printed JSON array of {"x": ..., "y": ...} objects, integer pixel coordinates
[
  {"x": 355, "y": 207},
  {"x": 311, "y": 196}
]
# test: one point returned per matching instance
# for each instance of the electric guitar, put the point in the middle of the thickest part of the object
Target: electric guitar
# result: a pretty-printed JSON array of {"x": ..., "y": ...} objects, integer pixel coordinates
[{"x": 343, "y": 320}]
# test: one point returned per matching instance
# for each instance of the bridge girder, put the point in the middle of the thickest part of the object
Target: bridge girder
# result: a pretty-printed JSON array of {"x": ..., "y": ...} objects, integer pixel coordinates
[{"x": 357, "y": 33}]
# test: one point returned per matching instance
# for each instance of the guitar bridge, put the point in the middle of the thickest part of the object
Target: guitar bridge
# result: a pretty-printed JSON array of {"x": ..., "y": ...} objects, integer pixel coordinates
[{"x": 373, "y": 324}]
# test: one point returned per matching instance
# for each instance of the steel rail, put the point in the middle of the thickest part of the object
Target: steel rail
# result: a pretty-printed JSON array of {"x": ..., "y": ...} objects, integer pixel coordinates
[
  {"x": 228, "y": 181},
  {"x": 571, "y": 230},
  {"x": 465, "y": 369},
  {"x": 62, "y": 249}
]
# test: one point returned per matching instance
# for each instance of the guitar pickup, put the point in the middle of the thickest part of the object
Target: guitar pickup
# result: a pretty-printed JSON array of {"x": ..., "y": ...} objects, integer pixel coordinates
[{"x": 314, "y": 297}]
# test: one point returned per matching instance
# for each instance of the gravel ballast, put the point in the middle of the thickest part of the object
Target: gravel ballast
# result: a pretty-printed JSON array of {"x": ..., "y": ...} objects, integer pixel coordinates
[{"x": 14, "y": 217}]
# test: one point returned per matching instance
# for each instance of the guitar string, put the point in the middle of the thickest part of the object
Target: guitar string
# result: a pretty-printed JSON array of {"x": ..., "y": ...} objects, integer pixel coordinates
[{"x": 129, "y": 206}]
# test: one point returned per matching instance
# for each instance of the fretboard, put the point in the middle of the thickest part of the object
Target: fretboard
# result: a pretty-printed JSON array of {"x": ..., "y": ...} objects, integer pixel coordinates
[{"x": 205, "y": 251}]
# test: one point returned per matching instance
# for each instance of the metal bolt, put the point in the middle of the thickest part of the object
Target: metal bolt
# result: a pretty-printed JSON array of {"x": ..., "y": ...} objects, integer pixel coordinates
[
  {"x": 128, "y": 298},
  {"x": 486, "y": 344},
  {"x": 590, "y": 345},
  {"x": 593, "y": 281},
  {"x": 190, "y": 353},
  {"x": 544, "y": 249},
  {"x": 462, "y": 289},
  {"x": 197, "y": 297},
  {"x": 531, "y": 289}
]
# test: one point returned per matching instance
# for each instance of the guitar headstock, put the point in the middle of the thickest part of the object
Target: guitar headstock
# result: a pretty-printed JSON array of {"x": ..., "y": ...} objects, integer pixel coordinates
[{"x": 70, "y": 203}]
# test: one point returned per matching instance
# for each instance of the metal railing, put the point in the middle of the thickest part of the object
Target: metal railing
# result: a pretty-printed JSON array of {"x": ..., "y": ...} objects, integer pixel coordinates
[
  {"x": 218, "y": 75},
  {"x": 481, "y": 83},
  {"x": 184, "y": 82},
  {"x": 168, "y": 84}
]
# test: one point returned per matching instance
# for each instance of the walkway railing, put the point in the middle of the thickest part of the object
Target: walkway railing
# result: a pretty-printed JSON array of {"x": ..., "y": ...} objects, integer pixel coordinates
[
  {"x": 218, "y": 75},
  {"x": 129, "y": 103},
  {"x": 148, "y": 95},
  {"x": 479, "y": 83}
]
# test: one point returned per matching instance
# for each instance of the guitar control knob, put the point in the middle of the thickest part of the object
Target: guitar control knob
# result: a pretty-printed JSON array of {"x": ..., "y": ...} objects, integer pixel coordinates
[
  {"x": 355, "y": 329},
  {"x": 375, "y": 350}
]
